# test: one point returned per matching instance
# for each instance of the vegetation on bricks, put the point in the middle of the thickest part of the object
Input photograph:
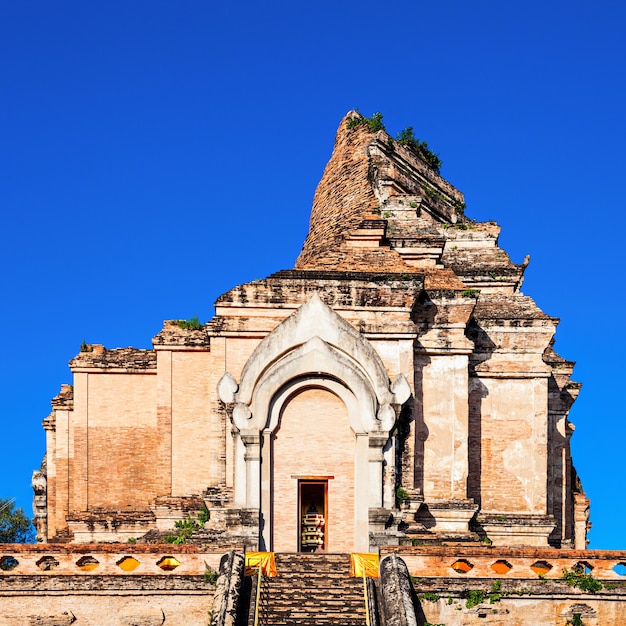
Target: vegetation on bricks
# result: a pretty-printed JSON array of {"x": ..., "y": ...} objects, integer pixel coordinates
[
  {"x": 190, "y": 324},
  {"x": 470, "y": 293},
  {"x": 405, "y": 138},
  {"x": 582, "y": 581},
  {"x": 429, "y": 596},
  {"x": 85, "y": 347},
  {"x": 402, "y": 495},
  {"x": 420, "y": 148},
  {"x": 210, "y": 575},
  {"x": 374, "y": 123},
  {"x": 474, "y": 597},
  {"x": 183, "y": 530}
]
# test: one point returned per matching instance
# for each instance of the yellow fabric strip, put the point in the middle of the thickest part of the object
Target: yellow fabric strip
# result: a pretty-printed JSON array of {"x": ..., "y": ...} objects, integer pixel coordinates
[
  {"x": 263, "y": 561},
  {"x": 364, "y": 564}
]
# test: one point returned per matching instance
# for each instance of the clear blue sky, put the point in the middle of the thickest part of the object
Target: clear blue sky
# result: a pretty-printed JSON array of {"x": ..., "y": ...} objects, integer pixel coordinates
[{"x": 155, "y": 154}]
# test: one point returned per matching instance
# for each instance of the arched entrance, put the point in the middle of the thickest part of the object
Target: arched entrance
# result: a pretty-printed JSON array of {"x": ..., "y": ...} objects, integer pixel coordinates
[
  {"x": 312, "y": 458},
  {"x": 313, "y": 388}
]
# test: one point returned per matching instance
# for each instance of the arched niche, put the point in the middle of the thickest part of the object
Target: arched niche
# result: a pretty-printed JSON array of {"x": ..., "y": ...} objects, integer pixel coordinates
[
  {"x": 313, "y": 347},
  {"x": 312, "y": 443}
]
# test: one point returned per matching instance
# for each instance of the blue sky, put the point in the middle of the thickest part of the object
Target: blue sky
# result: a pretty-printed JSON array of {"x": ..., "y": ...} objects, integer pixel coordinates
[{"x": 154, "y": 155}]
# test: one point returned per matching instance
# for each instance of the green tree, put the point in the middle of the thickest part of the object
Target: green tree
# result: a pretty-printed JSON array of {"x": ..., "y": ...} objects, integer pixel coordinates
[{"x": 15, "y": 527}]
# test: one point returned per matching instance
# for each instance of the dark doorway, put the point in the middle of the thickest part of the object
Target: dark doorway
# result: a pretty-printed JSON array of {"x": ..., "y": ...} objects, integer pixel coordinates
[{"x": 313, "y": 515}]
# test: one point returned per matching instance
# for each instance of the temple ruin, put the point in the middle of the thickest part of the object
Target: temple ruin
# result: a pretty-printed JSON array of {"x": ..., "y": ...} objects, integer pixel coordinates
[
  {"x": 396, "y": 383},
  {"x": 384, "y": 426}
]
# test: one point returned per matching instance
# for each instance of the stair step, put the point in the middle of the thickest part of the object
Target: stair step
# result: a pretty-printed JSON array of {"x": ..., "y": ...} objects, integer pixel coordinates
[{"x": 313, "y": 589}]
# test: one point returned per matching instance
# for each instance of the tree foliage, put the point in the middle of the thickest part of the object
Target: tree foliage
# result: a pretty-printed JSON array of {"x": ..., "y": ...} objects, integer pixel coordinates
[{"x": 15, "y": 526}]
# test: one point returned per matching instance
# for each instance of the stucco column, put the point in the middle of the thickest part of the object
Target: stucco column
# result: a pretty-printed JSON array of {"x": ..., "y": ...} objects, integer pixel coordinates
[
  {"x": 252, "y": 457},
  {"x": 375, "y": 462},
  {"x": 389, "y": 473},
  {"x": 362, "y": 492},
  {"x": 266, "y": 486},
  {"x": 239, "y": 470}
]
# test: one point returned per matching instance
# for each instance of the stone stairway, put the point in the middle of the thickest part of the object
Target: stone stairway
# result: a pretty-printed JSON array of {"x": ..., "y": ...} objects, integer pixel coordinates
[{"x": 312, "y": 589}]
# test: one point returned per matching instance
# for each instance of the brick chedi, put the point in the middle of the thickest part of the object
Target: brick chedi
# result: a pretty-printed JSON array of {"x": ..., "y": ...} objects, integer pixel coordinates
[{"x": 396, "y": 385}]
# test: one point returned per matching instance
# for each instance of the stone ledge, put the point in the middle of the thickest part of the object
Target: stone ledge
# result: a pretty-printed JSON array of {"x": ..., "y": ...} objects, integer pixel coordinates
[{"x": 127, "y": 359}]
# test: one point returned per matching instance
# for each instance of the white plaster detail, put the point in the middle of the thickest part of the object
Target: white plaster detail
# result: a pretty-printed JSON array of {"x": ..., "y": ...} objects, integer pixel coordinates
[
  {"x": 401, "y": 389},
  {"x": 386, "y": 416},
  {"x": 315, "y": 347},
  {"x": 315, "y": 359},
  {"x": 226, "y": 388},
  {"x": 315, "y": 319},
  {"x": 241, "y": 416}
]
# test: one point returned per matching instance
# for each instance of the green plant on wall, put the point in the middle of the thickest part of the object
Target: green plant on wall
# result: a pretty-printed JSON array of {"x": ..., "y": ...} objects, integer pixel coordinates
[
  {"x": 183, "y": 530},
  {"x": 191, "y": 324},
  {"x": 402, "y": 495},
  {"x": 584, "y": 582},
  {"x": 204, "y": 515},
  {"x": 470, "y": 293},
  {"x": 210, "y": 575},
  {"x": 420, "y": 148},
  {"x": 374, "y": 123}
]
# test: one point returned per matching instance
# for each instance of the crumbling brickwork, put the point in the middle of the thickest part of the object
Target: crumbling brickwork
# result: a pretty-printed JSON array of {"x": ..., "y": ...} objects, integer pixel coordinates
[{"x": 398, "y": 363}]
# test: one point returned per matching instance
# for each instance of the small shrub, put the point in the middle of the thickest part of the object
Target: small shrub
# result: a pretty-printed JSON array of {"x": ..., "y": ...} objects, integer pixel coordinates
[
  {"x": 420, "y": 148},
  {"x": 430, "y": 596},
  {"x": 374, "y": 123},
  {"x": 584, "y": 582},
  {"x": 495, "y": 595},
  {"x": 184, "y": 529},
  {"x": 210, "y": 575},
  {"x": 85, "y": 347},
  {"x": 402, "y": 495},
  {"x": 474, "y": 597},
  {"x": 190, "y": 324},
  {"x": 204, "y": 516},
  {"x": 470, "y": 293},
  {"x": 459, "y": 206}
]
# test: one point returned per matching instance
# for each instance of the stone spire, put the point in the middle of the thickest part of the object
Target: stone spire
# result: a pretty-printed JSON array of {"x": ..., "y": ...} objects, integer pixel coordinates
[{"x": 382, "y": 206}]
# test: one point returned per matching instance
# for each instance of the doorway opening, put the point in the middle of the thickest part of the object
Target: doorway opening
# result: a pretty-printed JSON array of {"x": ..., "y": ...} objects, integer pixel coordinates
[{"x": 313, "y": 515}]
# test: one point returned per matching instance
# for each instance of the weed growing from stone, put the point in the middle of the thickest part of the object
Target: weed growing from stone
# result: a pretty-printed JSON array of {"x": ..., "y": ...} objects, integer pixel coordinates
[
  {"x": 190, "y": 324},
  {"x": 584, "y": 582}
]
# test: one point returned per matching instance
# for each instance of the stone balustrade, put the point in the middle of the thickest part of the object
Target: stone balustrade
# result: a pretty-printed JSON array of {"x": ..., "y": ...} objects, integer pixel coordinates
[
  {"x": 495, "y": 562},
  {"x": 422, "y": 561},
  {"x": 106, "y": 559}
]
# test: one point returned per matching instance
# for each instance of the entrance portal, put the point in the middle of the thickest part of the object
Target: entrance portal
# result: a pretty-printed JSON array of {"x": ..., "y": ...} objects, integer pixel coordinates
[
  {"x": 312, "y": 509},
  {"x": 312, "y": 456}
]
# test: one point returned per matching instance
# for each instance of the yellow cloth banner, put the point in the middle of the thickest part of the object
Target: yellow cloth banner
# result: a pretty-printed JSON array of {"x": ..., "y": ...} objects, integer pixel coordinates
[
  {"x": 364, "y": 564},
  {"x": 263, "y": 561}
]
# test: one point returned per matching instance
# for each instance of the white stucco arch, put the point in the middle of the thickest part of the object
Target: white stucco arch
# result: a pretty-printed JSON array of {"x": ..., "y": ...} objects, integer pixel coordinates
[
  {"x": 315, "y": 319},
  {"x": 318, "y": 358},
  {"x": 313, "y": 347}
]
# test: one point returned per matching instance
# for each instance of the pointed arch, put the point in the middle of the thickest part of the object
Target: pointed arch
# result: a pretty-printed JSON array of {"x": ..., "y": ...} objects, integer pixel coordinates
[{"x": 315, "y": 319}]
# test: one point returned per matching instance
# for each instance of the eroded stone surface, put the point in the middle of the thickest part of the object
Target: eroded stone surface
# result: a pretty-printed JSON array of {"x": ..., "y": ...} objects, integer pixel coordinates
[{"x": 445, "y": 405}]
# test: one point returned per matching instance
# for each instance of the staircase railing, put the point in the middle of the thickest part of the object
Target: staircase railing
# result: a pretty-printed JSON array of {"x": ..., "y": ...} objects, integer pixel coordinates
[
  {"x": 257, "y": 600},
  {"x": 367, "y": 600}
]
